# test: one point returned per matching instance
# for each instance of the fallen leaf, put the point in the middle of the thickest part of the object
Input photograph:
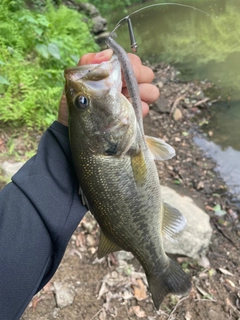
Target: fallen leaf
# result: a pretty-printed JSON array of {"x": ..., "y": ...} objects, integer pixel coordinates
[
  {"x": 230, "y": 283},
  {"x": 224, "y": 271},
  {"x": 126, "y": 295},
  {"x": 205, "y": 294},
  {"x": 48, "y": 287},
  {"x": 200, "y": 185},
  {"x": 35, "y": 301},
  {"x": 188, "y": 316},
  {"x": 138, "y": 311},
  {"x": 103, "y": 315},
  {"x": 209, "y": 208},
  {"x": 140, "y": 290},
  {"x": 102, "y": 290}
]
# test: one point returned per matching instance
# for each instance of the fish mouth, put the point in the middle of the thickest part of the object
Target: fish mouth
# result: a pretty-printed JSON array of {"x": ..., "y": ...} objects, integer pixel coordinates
[
  {"x": 99, "y": 79},
  {"x": 93, "y": 72}
]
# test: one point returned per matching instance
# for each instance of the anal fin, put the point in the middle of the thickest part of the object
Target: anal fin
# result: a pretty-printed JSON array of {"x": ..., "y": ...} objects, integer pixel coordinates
[{"x": 106, "y": 246}]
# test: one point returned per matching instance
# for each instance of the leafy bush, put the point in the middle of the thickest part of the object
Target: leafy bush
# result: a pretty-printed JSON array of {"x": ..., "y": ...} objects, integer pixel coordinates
[{"x": 35, "y": 48}]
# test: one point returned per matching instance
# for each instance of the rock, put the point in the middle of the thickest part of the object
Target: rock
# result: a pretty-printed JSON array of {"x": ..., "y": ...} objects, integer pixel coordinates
[
  {"x": 177, "y": 114},
  {"x": 161, "y": 105},
  {"x": 64, "y": 294},
  {"x": 101, "y": 39},
  {"x": 99, "y": 24},
  {"x": 89, "y": 9},
  {"x": 194, "y": 241},
  {"x": 10, "y": 168},
  {"x": 90, "y": 240}
]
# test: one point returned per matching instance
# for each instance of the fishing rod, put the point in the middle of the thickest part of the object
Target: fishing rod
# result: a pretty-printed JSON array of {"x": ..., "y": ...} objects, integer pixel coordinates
[{"x": 127, "y": 20}]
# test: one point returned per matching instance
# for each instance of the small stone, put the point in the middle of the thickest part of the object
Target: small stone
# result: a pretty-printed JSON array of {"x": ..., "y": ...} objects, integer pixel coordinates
[
  {"x": 124, "y": 255},
  {"x": 204, "y": 262},
  {"x": 160, "y": 84},
  {"x": 161, "y": 105},
  {"x": 200, "y": 185},
  {"x": 90, "y": 240},
  {"x": 64, "y": 294},
  {"x": 177, "y": 114},
  {"x": 89, "y": 226}
]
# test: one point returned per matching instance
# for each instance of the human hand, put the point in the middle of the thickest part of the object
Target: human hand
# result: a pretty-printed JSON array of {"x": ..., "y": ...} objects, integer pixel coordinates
[{"x": 148, "y": 92}]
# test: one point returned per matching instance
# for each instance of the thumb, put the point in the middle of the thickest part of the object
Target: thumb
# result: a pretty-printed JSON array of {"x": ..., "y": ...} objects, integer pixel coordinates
[{"x": 98, "y": 57}]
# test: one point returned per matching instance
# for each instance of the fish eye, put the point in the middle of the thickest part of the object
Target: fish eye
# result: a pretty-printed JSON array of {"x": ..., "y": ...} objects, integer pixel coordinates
[{"x": 81, "y": 102}]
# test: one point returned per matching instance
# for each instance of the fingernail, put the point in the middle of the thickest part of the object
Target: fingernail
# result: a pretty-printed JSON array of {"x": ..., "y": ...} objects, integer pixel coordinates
[{"x": 104, "y": 55}]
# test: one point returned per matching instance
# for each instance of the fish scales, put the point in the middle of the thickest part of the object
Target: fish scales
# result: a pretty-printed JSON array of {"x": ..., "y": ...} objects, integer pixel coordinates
[
  {"x": 130, "y": 206},
  {"x": 118, "y": 177}
]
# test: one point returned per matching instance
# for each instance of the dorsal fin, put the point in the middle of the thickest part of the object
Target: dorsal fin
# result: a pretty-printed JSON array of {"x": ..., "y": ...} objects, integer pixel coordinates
[
  {"x": 159, "y": 148},
  {"x": 173, "y": 221}
]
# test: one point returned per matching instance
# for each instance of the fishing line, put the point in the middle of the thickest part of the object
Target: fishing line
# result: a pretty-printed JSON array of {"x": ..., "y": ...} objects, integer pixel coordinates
[{"x": 127, "y": 19}]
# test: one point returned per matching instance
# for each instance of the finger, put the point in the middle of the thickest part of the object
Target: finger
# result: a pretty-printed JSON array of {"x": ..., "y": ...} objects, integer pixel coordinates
[
  {"x": 94, "y": 57},
  {"x": 148, "y": 92},
  {"x": 142, "y": 73},
  {"x": 145, "y": 108}
]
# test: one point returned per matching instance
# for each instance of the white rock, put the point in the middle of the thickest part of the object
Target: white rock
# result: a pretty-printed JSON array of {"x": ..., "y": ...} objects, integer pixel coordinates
[
  {"x": 10, "y": 168},
  {"x": 64, "y": 293},
  {"x": 194, "y": 240}
]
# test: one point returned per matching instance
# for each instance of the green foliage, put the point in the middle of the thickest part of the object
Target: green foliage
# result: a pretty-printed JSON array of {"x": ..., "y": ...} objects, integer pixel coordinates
[{"x": 35, "y": 48}]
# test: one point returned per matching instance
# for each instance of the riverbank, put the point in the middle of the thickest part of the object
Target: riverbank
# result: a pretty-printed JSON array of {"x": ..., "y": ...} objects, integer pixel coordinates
[
  {"x": 178, "y": 116},
  {"x": 97, "y": 289}
]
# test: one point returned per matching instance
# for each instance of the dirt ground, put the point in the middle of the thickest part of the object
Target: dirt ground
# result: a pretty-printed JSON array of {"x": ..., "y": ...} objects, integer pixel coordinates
[{"x": 115, "y": 287}]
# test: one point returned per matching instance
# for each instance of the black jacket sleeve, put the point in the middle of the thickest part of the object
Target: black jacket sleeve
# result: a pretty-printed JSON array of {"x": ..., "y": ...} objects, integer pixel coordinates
[{"x": 39, "y": 211}]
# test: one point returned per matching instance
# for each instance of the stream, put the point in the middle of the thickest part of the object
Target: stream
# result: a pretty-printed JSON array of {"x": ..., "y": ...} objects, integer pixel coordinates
[{"x": 202, "y": 47}]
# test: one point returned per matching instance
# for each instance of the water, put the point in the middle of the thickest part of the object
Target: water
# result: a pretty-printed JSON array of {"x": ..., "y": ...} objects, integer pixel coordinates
[
  {"x": 201, "y": 47},
  {"x": 230, "y": 170}
]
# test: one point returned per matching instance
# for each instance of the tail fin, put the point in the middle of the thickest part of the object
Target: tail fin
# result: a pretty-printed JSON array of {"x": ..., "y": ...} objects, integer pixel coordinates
[{"x": 173, "y": 280}]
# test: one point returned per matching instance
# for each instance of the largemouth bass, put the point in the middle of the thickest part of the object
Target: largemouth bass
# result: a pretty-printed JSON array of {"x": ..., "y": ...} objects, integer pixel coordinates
[{"x": 118, "y": 176}]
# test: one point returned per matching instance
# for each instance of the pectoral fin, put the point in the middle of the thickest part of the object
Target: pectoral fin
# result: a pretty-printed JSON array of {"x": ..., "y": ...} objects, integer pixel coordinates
[
  {"x": 173, "y": 221},
  {"x": 106, "y": 246},
  {"x": 159, "y": 148},
  {"x": 83, "y": 198}
]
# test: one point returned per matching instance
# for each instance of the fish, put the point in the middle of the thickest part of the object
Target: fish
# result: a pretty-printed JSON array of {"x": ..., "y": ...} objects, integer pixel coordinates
[{"x": 118, "y": 177}]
